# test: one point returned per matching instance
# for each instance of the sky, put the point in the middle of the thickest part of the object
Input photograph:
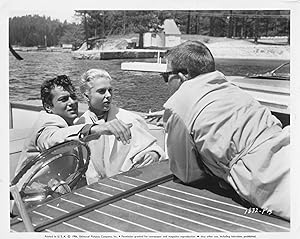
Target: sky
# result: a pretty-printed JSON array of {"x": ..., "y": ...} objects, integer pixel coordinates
[
  {"x": 56, "y": 9},
  {"x": 64, "y": 10}
]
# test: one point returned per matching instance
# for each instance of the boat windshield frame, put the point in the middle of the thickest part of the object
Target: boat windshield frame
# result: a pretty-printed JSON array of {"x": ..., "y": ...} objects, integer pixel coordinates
[{"x": 272, "y": 74}]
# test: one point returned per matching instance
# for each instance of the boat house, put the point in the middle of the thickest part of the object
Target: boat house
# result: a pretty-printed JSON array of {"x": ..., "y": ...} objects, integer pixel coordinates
[
  {"x": 170, "y": 36},
  {"x": 67, "y": 46}
]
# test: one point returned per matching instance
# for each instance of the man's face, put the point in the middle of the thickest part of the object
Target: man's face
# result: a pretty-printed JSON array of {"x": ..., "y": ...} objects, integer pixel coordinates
[
  {"x": 174, "y": 81},
  {"x": 65, "y": 104},
  {"x": 101, "y": 95}
]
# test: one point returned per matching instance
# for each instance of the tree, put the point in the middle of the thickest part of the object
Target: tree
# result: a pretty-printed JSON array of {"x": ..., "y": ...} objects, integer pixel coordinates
[
  {"x": 31, "y": 30},
  {"x": 117, "y": 22},
  {"x": 73, "y": 34},
  {"x": 142, "y": 22}
]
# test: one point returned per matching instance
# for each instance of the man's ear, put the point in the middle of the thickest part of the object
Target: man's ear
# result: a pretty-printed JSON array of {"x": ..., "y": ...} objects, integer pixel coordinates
[
  {"x": 182, "y": 77},
  {"x": 48, "y": 108}
]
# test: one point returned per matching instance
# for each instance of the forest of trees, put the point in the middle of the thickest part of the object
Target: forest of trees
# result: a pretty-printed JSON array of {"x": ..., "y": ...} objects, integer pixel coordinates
[{"x": 36, "y": 30}]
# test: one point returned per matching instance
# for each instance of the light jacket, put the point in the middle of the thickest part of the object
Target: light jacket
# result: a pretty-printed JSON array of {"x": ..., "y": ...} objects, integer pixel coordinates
[
  {"x": 110, "y": 156},
  {"x": 234, "y": 136},
  {"x": 47, "y": 131}
]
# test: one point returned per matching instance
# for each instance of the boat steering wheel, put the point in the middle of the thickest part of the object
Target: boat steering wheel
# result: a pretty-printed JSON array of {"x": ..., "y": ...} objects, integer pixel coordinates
[{"x": 57, "y": 171}]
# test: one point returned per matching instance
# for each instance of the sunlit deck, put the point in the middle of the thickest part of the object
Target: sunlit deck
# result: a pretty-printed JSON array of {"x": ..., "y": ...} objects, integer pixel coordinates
[{"x": 148, "y": 200}]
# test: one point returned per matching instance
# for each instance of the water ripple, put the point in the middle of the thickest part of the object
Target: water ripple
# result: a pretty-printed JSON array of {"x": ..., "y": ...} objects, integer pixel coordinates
[{"x": 133, "y": 90}]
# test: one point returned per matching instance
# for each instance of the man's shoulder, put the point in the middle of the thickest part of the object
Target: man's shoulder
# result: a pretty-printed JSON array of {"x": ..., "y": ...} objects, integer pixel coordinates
[{"x": 45, "y": 118}]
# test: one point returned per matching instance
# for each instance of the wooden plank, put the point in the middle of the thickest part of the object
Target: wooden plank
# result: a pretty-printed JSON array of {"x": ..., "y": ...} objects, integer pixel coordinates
[
  {"x": 213, "y": 212},
  {"x": 65, "y": 228},
  {"x": 118, "y": 222},
  {"x": 225, "y": 198},
  {"x": 168, "y": 207},
  {"x": 132, "y": 215},
  {"x": 18, "y": 227},
  {"x": 93, "y": 206},
  {"x": 65, "y": 202},
  {"x": 136, "y": 226},
  {"x": 163, "y": 212},
  {"x": 231, "y": 214},
  {"x": 80, "y": 223}
]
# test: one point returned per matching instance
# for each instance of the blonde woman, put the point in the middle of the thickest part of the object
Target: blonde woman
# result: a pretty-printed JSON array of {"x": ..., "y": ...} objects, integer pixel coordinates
[{"x": 115, "y": 153}]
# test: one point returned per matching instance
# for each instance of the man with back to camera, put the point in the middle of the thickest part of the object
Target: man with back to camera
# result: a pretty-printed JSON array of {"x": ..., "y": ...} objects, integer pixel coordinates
[{"x": 213, "y": 127}]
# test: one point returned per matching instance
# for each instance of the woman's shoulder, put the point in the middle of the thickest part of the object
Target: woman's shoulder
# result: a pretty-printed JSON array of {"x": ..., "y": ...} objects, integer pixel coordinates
[
  {"x": 131, "y": 117},
  {"x": 86, "y": 117},
  {"x": 126, "y": 114}
]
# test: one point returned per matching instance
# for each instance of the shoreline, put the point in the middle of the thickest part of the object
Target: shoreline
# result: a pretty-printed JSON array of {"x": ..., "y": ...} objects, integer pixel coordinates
[
  {"x": 268, "y": 53},
  {"x": 244, "y": 49},
  {"x": 269, "y": 58},
  {"x": 216, "y": 53},
  {"x": 219, "y": 46}
]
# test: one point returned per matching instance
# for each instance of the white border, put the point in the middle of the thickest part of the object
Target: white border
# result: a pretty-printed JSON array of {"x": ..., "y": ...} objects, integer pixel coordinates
[{"x": 8, "y": 7}]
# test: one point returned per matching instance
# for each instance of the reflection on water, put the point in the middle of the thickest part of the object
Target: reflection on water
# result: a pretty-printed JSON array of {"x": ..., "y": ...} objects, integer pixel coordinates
[{"x": 133, "y": 90}]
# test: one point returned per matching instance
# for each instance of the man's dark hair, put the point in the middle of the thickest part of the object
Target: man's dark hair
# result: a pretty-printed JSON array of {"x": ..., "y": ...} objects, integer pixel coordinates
[
  {"x": 193, "y": 57},
  {"x": 48, "y": 85}
]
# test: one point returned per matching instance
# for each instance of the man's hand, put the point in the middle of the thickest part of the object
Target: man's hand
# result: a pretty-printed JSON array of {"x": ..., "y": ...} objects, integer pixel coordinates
[
  {"x": 148, "y": 158},
  {"x": 115, "y": 127}
]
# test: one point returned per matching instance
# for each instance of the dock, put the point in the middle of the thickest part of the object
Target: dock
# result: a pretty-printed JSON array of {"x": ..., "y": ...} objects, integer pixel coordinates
[{"x": 117, "y": 54}]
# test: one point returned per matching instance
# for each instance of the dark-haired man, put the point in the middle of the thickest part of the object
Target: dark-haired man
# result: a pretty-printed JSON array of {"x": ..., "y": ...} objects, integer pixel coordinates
[
  {"x": 215, "y": 128},
  {"x": 55, "y": 124}
]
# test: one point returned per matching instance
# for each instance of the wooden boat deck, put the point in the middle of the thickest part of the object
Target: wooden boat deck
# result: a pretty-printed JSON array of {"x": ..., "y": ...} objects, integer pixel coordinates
[{"x": 148, "y": 200}]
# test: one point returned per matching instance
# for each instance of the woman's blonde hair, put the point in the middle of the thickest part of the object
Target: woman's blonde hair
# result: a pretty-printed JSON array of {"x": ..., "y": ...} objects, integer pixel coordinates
[{"x": 87, "y": 79}]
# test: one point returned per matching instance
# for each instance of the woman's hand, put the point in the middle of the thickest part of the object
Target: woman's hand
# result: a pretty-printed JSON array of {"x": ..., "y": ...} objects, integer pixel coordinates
[{"x": 114, "y": 127}]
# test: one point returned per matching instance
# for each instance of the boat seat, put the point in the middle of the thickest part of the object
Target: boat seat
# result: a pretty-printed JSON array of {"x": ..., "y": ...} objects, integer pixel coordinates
[
  {"x": 159, "y": 134},
  {"x": 16, "y": 142}
]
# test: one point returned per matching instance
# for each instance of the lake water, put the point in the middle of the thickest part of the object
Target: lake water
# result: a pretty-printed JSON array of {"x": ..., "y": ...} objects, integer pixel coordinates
[{"x": 132, "y": 90}]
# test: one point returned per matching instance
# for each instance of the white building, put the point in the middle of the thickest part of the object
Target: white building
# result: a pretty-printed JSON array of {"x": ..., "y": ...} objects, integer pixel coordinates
[
  {"x": 170, "y": 36},
  {"x": 67, "y": 46}
]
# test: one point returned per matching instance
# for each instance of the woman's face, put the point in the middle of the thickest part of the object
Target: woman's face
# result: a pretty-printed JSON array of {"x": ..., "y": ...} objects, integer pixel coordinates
[{"x": 101, "y": 95}]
